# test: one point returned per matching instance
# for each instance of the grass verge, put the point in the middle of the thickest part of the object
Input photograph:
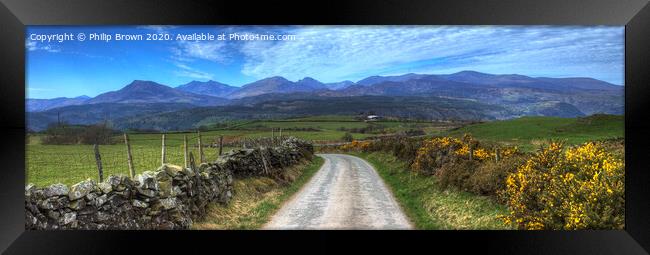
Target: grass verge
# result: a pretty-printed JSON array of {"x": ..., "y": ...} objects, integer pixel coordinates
[
  {"x": 256, "y": 199},
  {"x": 430, "y": 207}
]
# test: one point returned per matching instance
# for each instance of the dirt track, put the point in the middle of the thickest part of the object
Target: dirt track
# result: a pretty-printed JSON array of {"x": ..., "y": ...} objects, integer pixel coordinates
[{"x": 346, "y": 193}]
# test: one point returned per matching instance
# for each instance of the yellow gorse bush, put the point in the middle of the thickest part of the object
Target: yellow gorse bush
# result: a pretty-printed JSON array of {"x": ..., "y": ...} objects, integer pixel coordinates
[
  {"x": 575, "y": 188},
  {"x": 436, "y": 151},
  {"x": 356, "y": 146}
]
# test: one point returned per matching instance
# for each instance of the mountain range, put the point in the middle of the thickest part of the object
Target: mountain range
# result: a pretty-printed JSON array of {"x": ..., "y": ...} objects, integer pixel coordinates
[
  {"x": 39, "y": 105},
  {"x": 451, "y": 96}
]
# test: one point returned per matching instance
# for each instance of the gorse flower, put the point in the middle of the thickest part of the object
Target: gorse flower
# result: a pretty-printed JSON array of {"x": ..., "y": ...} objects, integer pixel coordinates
[
  {"x": 439, "y": 150},
  {"x": 356, "y": 146},
  {"x": 575, "y": 188}
]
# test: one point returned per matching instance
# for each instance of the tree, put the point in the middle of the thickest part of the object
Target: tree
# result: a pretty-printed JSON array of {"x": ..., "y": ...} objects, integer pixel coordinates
[
  {"x": 97, "y": 134},
  {"x": 347, "y": 137}
]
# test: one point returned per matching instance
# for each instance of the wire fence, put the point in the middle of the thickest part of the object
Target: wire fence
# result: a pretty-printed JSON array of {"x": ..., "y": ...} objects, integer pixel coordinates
[{"x": 70, "y": 164}]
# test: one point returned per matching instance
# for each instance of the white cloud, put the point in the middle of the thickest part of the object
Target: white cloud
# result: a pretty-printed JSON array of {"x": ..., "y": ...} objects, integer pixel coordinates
[
  {"x": 208, "y": 50},
  {"x": 35, "y": 46},
  {"x": 187, "y": 71},
  {"x": 353, "y": 52},
  {"x": 161, "y": 29}
]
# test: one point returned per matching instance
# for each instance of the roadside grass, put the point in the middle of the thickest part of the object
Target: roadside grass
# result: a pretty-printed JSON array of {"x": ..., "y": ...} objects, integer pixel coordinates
[
  {"x": 530, "y": 132},
  {"x": 430, "y": 207},
  {"x": 256, "y": 199}
]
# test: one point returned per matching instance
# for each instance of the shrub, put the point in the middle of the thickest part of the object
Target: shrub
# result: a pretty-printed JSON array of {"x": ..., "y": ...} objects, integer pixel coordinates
[
  {"x": 347, "y": 137},
  {"x": 578, "y": 188},
  {"x": 436, "y": 152},
  {"x": 356, "y": 146},
  {"x": 403, "y": 148},
  {"x": 456, "y": 173},
  {"x": 97, "y": 134},
  {"x": 490, "y": 176},
  {"x": 76, "y": 134},
  {"x": 412, "y": 132}
]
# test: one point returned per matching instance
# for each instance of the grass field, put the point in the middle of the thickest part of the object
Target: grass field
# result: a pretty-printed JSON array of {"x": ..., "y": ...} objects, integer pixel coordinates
[
  {"x": 430, "y": 207},
  {"x": 69, "y": 164},
  {"x": 256, "y": 199},
  {"x": 529, "y": 132}
]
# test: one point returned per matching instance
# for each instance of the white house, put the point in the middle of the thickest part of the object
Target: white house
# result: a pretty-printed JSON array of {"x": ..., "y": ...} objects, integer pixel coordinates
[{"x": 373, "y": 117}]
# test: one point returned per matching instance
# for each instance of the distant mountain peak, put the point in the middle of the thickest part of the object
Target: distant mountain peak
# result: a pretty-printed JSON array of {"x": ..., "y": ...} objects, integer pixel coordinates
[
  {"x": 210, "y": 88},
  {"x": 469, "y": 72},
  {"x": 141, "y": 84},
  {"x": 277, "y": 77},
  {"x": 308, "y": 79},
  {"x": 472, "y": 74}
]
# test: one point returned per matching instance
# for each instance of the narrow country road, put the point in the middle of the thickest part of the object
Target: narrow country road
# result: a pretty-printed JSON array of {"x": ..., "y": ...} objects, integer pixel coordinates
[{"x": 346, "y": 193}]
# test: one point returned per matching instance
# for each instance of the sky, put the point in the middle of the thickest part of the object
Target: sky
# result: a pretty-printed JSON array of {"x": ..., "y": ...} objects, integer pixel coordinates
[{"x": 67, "y": 66}]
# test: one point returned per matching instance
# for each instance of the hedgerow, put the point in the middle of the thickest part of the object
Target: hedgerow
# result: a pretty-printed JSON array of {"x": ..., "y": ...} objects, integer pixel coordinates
[{"x": 580, "y": 187}]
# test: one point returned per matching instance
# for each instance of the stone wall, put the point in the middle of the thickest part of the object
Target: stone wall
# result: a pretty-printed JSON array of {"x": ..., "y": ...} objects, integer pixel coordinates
[
  {"x": 266, "y": 160},
  {"x": 168, "y": 198}
]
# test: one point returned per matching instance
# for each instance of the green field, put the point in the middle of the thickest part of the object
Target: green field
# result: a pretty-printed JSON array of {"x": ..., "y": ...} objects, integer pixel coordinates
[
  {"x": 530, "y": 132},
  {"x": 69, "y": 164}
]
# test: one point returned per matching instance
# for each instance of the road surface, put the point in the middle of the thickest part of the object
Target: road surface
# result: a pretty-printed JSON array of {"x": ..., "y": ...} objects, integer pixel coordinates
[{"x": 346, "y": 193}]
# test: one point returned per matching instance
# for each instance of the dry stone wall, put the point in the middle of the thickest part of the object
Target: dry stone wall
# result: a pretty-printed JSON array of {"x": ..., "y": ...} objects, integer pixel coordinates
[{"x": 168, "y": 198}]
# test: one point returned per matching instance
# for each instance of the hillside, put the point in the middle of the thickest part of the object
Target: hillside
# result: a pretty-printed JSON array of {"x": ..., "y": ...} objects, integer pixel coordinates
[
  {"x": 530, "y": 132},
  {"x": 209, "y": 88},
  {"x": 519, "y": 93},
  {"x": 95, "y": 113},
  {"x": 39, "y": 105},
  {"x": 150, "y": 92},
  {"x": 407, "y": 107}
]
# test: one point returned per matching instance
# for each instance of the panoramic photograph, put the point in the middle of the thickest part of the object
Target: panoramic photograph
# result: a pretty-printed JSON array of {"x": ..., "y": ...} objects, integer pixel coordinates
[{"x": 324, "y": 127}]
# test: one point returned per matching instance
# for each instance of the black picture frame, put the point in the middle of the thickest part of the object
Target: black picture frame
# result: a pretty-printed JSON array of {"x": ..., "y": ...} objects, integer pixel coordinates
[{"x": 633, "y": 14}]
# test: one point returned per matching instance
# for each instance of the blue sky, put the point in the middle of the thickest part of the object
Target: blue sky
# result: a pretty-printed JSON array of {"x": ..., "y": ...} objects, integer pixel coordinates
[{"x": 326, "y": 53}]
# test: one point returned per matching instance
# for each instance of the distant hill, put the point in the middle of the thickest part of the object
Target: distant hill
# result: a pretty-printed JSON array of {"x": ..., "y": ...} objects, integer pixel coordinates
[
  {"x": 95, "y": 113},
  {"x": 209, "y": 88},
  {"x": 501, "y": 96},
  {"x": 517, "y": 92},
  {"x": 277, "y": 84},
  {"x": 372, "y": 80},
  {"x": 407, "y": 107},
  {"x": 39, "y": 105},
  {"x": 339, "y": 85},
  {"x": 150, "y": 92}
]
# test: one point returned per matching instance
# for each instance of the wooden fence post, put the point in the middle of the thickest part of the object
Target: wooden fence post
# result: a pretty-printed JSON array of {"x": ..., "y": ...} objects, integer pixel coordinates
[
  {"x": 471, "y": 153},
  {"x": 185, "y": 150},
  {"x": 98, "y": 159},
  {"x": 129, "y": 158},
  {"x": 220, "y": 145},
  {"x": 162, "y": 158},
  {"x": 200, "y": 148},
  {"x": 272, "y": 135},
  {"x": 496, "y": 155},
  {"x": 192, "y": 164},
  {"x": 280, "y": 135}
]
